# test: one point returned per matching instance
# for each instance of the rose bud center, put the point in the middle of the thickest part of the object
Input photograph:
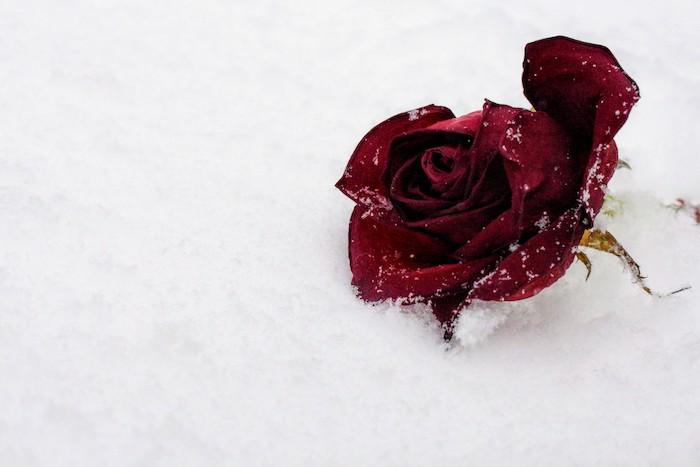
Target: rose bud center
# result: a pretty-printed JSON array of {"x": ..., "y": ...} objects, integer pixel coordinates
[{"x": 436, "y": 165}]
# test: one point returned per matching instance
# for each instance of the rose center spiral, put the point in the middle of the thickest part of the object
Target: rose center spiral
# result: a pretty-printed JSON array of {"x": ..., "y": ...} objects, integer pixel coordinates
[{"x": 437, "y": 165}]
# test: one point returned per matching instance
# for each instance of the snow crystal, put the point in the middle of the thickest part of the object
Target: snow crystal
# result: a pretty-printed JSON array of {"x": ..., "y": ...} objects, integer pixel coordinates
[
  {"x": 514, "y": 134},
  {"x": 416, "y": 113},
  {"x": 543, "y": 221}
]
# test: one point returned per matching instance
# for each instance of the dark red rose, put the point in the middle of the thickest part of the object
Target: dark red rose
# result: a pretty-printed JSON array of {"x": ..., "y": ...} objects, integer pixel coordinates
[{"x": 491, "y": 205}]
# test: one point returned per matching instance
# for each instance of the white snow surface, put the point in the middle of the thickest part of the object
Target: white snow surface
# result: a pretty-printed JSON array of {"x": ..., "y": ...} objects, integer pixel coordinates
[{"x": 174, "y": 283}]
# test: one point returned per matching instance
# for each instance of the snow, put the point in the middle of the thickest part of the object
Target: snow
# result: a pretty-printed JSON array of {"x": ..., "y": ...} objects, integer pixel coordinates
[{"x": 174, "y": 286}]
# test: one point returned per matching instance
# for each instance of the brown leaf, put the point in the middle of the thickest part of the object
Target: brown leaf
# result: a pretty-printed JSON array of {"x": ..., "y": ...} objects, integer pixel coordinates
[
  {"x": 586, "y": 262},
  {"x": 606, "y": 242}
]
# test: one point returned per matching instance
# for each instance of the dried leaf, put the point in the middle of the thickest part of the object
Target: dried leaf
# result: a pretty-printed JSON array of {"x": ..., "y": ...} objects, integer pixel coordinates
[
  {"x": 586, "y": 262},
  {"x": 606, "y": 242}
]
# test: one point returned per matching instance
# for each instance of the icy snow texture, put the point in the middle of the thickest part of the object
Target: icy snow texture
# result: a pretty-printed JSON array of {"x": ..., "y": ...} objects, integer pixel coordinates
[{"x": 174, "y": 287}]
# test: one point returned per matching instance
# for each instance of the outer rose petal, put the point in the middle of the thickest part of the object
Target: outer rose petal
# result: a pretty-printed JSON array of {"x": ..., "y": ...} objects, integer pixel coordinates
[
  {"x": 466, "y": 125},
  {"x": 599, "y": 170},
  {"x": 535, "y": 265},
  {"x": 582, "y": 86},
  {"x": 361, "y": 180},
  {"x": 390, "y": 261}
]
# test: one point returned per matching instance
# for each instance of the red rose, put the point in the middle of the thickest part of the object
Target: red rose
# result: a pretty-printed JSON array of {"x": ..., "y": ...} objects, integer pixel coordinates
[{"x": 491, "y": 205}]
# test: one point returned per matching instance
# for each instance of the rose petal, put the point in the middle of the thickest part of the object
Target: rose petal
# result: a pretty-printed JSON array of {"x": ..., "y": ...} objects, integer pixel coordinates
[
  {"x": 535, "y": 265},
  {"x": 583, "y": 86},
  {"x": 599, "y": 170},
  {"x": 361, "y": 180},
  {"x": 541, "y": 172},
  {"x": 406, "y": 192},
  {"x": 480, "y": 191},
  {"x": 485, "y": 199},
  {"x": 460, "y": 227},
  {"x": 446, "y": 309},
  {"x": 466, "y": 125},
  {"x": 438, "y": 165},
  {"x": 580, "y": 85},
  {"x": 543, "y": 169},
  {"x": 408, "y": 149},
  {"x": 389, "y": 261}
]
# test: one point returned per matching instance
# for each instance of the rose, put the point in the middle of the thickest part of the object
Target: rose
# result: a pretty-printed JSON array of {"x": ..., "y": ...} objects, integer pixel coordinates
[{"x": 491, "y": 205}]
